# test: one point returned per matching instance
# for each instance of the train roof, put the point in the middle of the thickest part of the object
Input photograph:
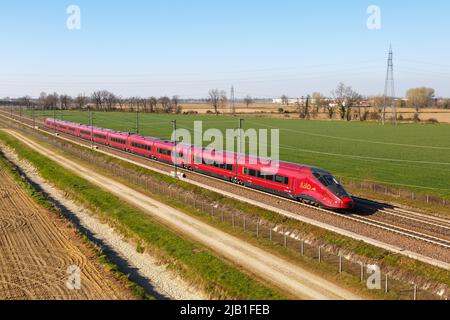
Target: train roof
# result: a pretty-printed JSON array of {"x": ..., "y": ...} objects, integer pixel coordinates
[{"x": 143, "y": 138}]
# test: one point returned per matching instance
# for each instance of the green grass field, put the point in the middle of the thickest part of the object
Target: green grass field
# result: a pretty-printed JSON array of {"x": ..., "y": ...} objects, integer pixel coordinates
[{"x": 409, "y": 156}]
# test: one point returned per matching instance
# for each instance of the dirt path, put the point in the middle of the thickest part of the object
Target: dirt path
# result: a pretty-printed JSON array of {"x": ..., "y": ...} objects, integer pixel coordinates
[
  {"x": 271, "y": 268},
  {"x": 36, "y": 250}
]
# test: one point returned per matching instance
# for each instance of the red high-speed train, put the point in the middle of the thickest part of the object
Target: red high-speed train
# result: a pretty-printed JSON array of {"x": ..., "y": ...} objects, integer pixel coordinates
[{"x": 294, "y": 181}]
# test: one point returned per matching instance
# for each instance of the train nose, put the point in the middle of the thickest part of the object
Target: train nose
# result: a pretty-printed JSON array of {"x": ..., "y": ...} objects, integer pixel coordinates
[{"x": 347, "y": 203}]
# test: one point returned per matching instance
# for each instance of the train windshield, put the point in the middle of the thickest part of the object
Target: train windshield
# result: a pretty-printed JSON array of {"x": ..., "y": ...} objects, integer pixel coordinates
[{"x": 331, "y": 184}]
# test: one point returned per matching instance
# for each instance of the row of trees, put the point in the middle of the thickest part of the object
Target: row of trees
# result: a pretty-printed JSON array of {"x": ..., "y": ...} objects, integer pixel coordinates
[
  {"x": 345, "y": 102},
  {"x": 103, "y": 101},
  {"x": 350, "y": 105}
]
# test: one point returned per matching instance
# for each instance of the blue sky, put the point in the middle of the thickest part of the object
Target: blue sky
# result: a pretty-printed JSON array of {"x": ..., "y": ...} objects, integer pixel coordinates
[{"x": 264, "y": 48}]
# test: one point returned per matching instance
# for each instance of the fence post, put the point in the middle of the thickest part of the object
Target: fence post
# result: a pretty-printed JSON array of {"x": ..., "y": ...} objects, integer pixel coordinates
[
  {"x": 257, "y": 229},
  {"x": 415, "y": 292},
  {"x": 320, "y": 254},
  {"x": 270, "y": 234},
  {"x": 245, "y": 224},
  {"x": 386, "y": 289},
  {"x": 285, "y": 238},
  {"x": 302, "y": 247},
  {"x": 362, "y": 272},
  {"x": 340, "y": 263}
]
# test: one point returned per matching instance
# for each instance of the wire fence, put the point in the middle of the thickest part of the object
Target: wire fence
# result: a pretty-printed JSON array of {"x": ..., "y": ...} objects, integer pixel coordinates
[{"x": 292, "y": 240}]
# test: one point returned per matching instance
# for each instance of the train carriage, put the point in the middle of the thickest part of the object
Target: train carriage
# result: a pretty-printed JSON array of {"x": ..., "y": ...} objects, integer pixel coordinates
[
  {"x": 141, "y": 145},
  {"x": 276, "y": 179},
  {"x": 163, "y": 151},
  {"x": 101, "y": 135},
  {"x": 118, "y": 140},
  {"x": 218, "y": 164},
  {"x": 85, "y": 132}
]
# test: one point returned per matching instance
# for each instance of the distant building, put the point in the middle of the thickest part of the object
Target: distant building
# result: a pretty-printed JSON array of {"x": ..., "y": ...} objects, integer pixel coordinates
[{"x": 290, "y": 100}]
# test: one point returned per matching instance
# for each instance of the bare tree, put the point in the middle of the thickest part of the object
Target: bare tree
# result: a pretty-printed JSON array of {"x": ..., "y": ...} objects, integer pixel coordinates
[
  {"x": 248, "y": 100},
  {"x": 81, "y": 101},
  {"x": 153, "y": 102},
  {"x": 346, "y": 99},
  {"x": 319, "y": 102},
  {"x": 166, "y": 104},
  {"x": 419, "y": 98},
  {"x": 97, "y": 98},
  {"x": 214, "y": 100},
  {"x": 42, "y": 101},
  {"x": 285, "y": 100},
  {"x": 52, "y": 101},
  {"x": 223, "y": 100},
  {"x": 176, "y": 104},
  {"x": 121, "y": 102},
  {"x": 377, "y": 104},
  {"x": 109, "y": 99},
  {"x": 65, "y": 101}
]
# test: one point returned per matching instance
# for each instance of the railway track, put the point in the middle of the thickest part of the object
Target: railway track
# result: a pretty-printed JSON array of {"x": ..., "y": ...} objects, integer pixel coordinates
[{"x": 413, "y": 225}]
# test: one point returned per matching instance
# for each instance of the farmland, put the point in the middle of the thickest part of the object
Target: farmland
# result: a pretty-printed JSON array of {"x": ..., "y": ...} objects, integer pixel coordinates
[{"x": 409, "y": 156}]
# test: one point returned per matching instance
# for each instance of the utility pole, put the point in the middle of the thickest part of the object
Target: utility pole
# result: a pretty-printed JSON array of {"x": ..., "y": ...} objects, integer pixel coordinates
[
  {"x": 34, "y": 116},
  {"x": 232, "y": 101},
  {"x": 241, "y": 125},
  {"x": 389, "y": 88},
  {"x": 175, "y": 156},
  {"x": 137, "y": 118},
  {"x": 91, "y": 123},
  {"x": 54, "y": 116},
  {"x": 307, "y": 107}
]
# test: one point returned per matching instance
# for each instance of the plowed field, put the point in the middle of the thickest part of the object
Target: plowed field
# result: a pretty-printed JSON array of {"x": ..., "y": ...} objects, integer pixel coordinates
[{"x": 38, "y": 250}]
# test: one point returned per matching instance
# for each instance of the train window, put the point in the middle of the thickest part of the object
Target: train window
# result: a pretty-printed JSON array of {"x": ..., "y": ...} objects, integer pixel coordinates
[
  {"x": 85, "y": 133},
  {"x": 245, "y": 171},
  {"x": 281, "y": 179},
  {"x": 120, "y": 141},
  {"x": 229, "y": 167},
  {"x": 252, "y": 173},
  {"x": 141, "y": 146},
  {"x": 330, "y": 180},
  {"x": 327, "y": 180},
  {"x": 164, "y": 152}
]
